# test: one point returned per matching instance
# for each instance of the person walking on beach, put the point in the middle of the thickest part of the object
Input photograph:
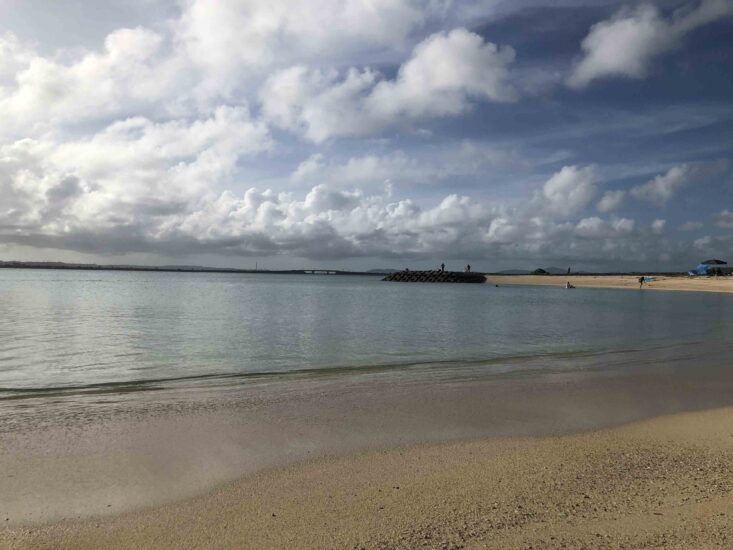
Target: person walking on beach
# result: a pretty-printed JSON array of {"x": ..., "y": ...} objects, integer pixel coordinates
[{"x": 641, "y": 281}]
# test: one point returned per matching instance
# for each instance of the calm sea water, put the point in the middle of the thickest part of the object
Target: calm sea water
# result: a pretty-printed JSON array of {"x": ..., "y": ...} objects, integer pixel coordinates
[{"x": 76, "y": 329}]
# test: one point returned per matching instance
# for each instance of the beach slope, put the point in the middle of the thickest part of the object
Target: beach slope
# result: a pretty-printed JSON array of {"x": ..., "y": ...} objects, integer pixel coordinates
[{"x": 661, "y": 482}]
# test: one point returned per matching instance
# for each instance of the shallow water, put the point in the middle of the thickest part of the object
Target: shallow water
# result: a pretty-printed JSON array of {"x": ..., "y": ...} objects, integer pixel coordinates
[{"x": 90, "y": 332}]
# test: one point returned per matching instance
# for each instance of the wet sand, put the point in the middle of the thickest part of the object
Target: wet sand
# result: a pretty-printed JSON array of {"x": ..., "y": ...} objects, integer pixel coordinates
[
  {"x": 666, "y": 482},
  {"x": 497, "y": 458},
  {"x": 697, "y": 284}
]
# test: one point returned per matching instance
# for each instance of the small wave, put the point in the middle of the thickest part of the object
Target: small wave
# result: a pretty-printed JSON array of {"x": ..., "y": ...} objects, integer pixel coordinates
[
  {"x": 520, "y": 363},
  {"x": 153, "y": 384}
]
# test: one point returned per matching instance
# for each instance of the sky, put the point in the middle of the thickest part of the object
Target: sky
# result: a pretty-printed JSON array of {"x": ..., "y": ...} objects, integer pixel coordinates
[{"x": 358, "y": 134}]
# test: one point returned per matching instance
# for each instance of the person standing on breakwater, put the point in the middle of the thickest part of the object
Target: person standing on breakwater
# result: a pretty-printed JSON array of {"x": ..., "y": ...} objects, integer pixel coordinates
[
  {"x": 468, "y": 268},
  {"x": 442, "y": 267}
]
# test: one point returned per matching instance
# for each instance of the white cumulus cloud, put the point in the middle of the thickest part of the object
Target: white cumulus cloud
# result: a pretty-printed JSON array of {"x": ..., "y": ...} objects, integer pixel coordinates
[
  {"x": 127, "y": 75},
  {"x": 445, "y": 73},
  {"x": 610, "y": 201},
  {"x": 137, "y": 187},
  {"x": 626, "y": 44},
  {"x": 658, "y": 226},
  {"x": 228, "y": 37},
  {"x": 663, "y": 187},
  {"x": 597, "y": 228},
  {"x": 569, "y": 190}
]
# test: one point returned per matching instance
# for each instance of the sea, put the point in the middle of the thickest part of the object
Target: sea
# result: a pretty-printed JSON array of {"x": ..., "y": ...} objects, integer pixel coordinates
[{"x": 91, "y": 332}]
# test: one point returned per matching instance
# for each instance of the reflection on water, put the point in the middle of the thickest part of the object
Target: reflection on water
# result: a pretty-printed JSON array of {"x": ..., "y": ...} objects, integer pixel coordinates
[{"x": 127, "y": 331}]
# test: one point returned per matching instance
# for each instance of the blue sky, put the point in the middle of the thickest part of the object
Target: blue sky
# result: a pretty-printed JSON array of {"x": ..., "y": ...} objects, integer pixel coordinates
[{"x": 359, "y": 134}]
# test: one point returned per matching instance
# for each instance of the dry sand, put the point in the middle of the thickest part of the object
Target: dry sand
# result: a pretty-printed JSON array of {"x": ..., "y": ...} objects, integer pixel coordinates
[
  {"x": 666, "y": 482},
  {"x": 698, "y": 284}
]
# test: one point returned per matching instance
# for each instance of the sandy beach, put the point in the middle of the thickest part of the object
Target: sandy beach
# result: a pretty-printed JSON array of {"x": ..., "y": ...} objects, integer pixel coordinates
[
  {"x": 697, "y": 284},
  {"x": 666, "y": 482}
]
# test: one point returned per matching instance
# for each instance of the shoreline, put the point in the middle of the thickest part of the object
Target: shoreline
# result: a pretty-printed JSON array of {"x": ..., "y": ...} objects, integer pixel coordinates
[
  {"x": 665, "y": 481},
  {"x": 629, "y": 282},
  {"x": 98, "y": 466}
]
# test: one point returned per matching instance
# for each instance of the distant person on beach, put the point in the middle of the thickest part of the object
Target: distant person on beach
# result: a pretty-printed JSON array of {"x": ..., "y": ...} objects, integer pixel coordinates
[
  {"x": 568, "y": 271},
  {"x": 641, "y": 281}
]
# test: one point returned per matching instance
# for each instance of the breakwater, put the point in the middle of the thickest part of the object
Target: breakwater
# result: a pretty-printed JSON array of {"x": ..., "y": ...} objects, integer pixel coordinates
[{"x": 435, "y": 276}]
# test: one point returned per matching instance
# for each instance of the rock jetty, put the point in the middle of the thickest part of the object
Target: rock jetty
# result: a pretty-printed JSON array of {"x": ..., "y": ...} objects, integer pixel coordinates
[{"x": 435, "y": 277}]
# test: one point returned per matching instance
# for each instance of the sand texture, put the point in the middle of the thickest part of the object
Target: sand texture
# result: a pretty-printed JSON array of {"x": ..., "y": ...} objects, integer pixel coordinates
[
  {"x": 698, "y": 284},
  {"x": 666, "y": 482}
]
